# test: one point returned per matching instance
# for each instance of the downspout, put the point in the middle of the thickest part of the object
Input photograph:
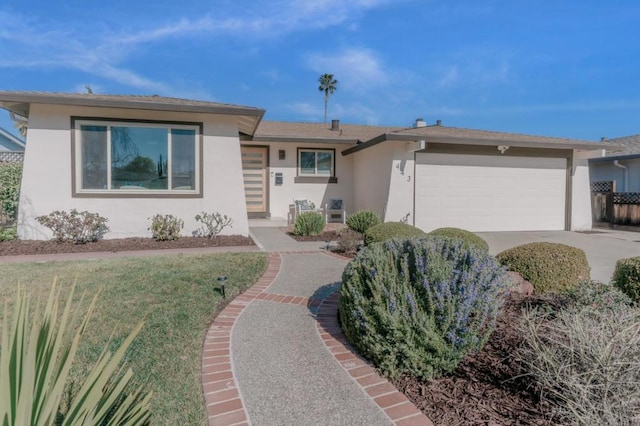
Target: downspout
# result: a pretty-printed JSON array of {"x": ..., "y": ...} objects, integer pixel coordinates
[{"x": 625, "y": 174}]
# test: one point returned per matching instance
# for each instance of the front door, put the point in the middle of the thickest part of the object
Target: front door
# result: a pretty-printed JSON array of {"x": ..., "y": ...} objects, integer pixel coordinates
[{"x": 254, "y": 170}]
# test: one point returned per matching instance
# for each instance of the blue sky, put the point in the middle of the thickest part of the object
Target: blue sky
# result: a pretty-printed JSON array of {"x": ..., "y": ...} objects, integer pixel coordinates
[{"x": 558, "y": 68}]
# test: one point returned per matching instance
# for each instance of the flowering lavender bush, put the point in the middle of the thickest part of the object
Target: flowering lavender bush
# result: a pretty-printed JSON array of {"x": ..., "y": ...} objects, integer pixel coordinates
[{"x": 420, "y": 305}]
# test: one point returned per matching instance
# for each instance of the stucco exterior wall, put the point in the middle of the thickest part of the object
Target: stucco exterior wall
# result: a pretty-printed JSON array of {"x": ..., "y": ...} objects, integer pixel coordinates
[
  {"x": 46, "y": 183},
  {"x": 371, "y": 175},
  {"x": 281, "y": 196},
  {"x": 581, "y": 218}
]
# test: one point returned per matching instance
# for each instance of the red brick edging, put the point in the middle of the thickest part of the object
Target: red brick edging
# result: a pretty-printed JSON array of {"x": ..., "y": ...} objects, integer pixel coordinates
[{"x": 222, "y": 397}]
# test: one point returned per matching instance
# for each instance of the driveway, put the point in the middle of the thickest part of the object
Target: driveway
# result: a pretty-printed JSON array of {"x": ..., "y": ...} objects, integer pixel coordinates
[{"x": 602, "y": 248}]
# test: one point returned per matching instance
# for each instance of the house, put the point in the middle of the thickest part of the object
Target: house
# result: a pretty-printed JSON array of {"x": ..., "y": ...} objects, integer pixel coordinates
[
  {"x": 11, "y": 147},
  {"x": 620, "y": 165},
  {"x": 130, "y": 157}
]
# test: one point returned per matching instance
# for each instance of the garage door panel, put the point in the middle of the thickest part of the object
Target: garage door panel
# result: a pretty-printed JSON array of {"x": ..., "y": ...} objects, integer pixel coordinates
[{"x": 490, "y": 193}]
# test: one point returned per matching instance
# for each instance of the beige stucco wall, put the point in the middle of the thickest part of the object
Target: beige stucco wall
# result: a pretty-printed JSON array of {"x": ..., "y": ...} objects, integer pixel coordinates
[
  {"x": 281, "y": 196},
  {"x": 46, "y": 183},
  {"x": 371, "y": 174}
]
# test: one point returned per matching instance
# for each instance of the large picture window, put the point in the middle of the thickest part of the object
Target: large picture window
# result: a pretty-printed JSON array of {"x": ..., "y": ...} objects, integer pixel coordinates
[
  {"x": 129, "y": 157},
  {"x": 315, "y": 162}
]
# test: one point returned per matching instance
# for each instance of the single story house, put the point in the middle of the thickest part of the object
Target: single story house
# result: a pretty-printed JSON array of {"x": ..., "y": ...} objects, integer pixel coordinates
[
  {"x": 130, "y": 157},
  {"x": 620, "y": 164}
]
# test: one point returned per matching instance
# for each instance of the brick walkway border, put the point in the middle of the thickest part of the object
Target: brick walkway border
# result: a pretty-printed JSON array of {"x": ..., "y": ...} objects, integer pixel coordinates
[{"x": 222, "y": 396}]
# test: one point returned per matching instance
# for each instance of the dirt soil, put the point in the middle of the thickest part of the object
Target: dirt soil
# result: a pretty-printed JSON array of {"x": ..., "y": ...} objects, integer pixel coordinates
[
  {"x": 325, "y": 236},
  {"x": 487, "y": 388},
  {"x": 26, "y": 247}
]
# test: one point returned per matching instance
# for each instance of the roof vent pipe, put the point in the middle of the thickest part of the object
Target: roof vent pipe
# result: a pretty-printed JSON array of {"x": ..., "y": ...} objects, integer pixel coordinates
[
  {"x": 625, "y": 173},
  {"x": 420, "y": 122},
  {"x": 335, "y": 124}
]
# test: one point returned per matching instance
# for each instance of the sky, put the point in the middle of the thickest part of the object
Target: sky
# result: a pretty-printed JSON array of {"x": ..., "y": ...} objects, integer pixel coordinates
[{"x": 566, "y": 68}]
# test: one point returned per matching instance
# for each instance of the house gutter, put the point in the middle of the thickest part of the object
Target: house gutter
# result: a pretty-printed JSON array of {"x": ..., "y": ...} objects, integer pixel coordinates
[{"x": 625, "y": 173}]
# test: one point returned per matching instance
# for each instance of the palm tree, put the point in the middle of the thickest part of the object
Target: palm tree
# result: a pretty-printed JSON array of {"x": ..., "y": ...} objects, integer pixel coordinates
[{"x": 328, "y": 85}]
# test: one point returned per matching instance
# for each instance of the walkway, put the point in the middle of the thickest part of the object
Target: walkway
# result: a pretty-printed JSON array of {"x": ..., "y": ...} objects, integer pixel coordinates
[{"x": 276, "y": 356}]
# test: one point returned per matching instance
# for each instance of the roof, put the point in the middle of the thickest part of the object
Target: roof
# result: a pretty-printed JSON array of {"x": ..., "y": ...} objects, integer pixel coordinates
[
  {"x": 283, "y": 131},
  {"x": 455, "y": 135},
  {"x": 9, "y": 142},
  {"x": 627, "y": 145},
  {"x": 248, "y": 118}
]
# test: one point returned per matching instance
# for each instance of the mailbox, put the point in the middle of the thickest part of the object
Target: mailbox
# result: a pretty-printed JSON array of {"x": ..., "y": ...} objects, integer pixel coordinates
[{"x": 278, "y": 178}]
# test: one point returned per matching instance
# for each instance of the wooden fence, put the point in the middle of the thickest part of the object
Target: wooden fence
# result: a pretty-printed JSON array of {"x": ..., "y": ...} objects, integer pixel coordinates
[{"x": 609, "y": 207}]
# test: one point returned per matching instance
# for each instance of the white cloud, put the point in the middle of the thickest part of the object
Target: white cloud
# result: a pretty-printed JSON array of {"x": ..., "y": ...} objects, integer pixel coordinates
[{"x": 356, "y": 68}]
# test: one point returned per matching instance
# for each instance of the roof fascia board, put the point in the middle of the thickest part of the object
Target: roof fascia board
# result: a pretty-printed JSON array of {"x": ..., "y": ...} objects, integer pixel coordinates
[{"x": 298, "y": 139}]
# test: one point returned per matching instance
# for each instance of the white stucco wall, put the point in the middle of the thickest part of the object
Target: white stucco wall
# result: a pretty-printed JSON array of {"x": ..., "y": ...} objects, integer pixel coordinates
[
  {"x": 580, "y": 196},
  {"x": 371, "y": 175},
  {"x": 46, "y": 183},
  {"x": 281, "y": 196}
]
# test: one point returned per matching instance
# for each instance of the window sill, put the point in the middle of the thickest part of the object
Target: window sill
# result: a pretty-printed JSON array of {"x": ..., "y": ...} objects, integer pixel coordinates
[
  {"x": 315, "y": 179},
  {"x": 137, "y": 194}
]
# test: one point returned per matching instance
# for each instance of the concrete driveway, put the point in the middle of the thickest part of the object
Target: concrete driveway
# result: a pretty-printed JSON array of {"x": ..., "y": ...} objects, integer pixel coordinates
[{"x": 603, "y": 248}]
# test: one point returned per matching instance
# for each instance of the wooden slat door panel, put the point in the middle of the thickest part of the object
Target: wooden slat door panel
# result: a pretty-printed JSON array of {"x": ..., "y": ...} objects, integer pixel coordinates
[{"x": 254, "y": 171}]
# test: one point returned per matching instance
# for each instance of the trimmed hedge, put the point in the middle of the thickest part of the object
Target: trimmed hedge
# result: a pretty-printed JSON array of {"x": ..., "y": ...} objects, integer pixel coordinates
[
  {"x": 420, "y": 305},
  {"x": 626, "y": 277},
  {"x": 550, "y": 267},
  {"x": 388, "y": 230},
  {"x": 461, "y": 234},
  {"x": 362, "y": 220}
]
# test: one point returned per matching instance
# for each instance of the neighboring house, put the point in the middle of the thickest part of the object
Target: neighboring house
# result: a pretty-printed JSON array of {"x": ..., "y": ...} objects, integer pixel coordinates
[
  {"x": 11, "y": 147},
  {"x": 621, "y": 164},
  {"x": 129, "y": 157}
]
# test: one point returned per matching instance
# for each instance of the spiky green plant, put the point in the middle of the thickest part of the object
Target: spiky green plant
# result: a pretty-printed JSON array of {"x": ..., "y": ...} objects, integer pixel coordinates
[{"x": 35, "y": 360}]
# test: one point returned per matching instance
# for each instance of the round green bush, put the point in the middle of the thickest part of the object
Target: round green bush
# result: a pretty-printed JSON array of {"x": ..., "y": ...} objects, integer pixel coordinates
[
  {"x": 388, "y": 230},
  {"x": 599, "y": 295},
  {"x": 309, "y": 223},
  {"x": 420, "y": 305},
  {"x": 362, "y": 220},
  {"x": 461, "y": 234},
  {"x": 626, "y": 277},
  {"x": 550, "y": 267}
]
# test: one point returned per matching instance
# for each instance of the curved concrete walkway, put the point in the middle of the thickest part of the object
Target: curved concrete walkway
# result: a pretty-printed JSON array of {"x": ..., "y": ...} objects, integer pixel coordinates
[{"x": 276, "y": 356}]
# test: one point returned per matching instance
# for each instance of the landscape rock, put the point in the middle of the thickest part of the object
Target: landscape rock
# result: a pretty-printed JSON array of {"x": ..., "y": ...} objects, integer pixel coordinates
[{"x": 519, "y": 284}]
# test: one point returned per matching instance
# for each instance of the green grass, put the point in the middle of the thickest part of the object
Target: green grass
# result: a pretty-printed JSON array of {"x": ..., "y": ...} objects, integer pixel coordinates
[{"x": 177, "y": 298}]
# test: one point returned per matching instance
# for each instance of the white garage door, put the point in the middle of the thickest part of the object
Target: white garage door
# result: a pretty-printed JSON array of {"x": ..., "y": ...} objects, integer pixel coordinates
[{"x": 490, "y": 193}]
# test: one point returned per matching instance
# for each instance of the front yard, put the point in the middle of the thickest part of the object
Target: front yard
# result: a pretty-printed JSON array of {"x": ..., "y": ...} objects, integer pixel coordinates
[{"x": 176, "y": 296}]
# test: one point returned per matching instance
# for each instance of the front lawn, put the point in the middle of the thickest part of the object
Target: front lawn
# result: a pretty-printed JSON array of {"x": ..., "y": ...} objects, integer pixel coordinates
[{"x": 177, "y": 296}]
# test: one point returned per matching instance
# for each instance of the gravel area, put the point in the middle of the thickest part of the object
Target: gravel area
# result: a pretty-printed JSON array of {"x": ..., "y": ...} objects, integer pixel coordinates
[{"x": 306, "y": 273}]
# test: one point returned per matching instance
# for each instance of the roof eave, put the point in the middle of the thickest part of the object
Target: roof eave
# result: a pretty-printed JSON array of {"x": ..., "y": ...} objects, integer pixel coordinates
[
  {"x": 301, "y": 139},
  {"x": 583, "y": 146}
]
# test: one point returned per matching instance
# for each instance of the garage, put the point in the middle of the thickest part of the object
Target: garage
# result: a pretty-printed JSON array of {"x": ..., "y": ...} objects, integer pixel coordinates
[{"x": 490, "y": 192}]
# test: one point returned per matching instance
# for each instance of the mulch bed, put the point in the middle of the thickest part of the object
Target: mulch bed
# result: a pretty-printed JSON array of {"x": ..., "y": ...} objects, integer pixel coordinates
[
  {"x": 325, "y": 236},
  {"x": 26, "y": 247},
  {"x": 487, "y": 388}
]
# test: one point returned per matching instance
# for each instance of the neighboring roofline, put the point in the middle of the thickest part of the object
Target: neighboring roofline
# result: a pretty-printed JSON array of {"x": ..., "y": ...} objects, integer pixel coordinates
[
  {"x": 589, "y": 146},
  {"x": 614, "y": 157},
  {"x": 12, "y": 138}
]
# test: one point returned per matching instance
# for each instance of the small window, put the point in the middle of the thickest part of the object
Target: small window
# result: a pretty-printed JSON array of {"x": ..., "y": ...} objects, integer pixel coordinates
[
  {"x": 136, "y": 157},
  {"x": 316, "y": 162}
]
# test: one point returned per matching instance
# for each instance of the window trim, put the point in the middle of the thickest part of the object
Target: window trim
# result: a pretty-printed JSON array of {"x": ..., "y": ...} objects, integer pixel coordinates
[
  {"x": 316, "y": 175},
  {"x": 76, "y": 159}
]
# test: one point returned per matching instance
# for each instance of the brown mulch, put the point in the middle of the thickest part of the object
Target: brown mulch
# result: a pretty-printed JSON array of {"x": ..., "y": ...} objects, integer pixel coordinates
[
  {"x": 487, "y": 388},
  {"x": 325, "y": 236},
  {"x": 26, "y": 247}
]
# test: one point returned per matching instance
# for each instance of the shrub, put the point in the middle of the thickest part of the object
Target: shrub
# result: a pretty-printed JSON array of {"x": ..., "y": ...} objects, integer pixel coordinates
[
  {"x": 626, "y": 277},
  {"x": 35, "y": 361},
  {"x": 585, "y": 362},
  {"x": 77, "y": 227},
  {"x": 461, "y": 234},
  {"x": 10, "y": 176},
  {"x": 363, "y": 220},
  {"x": 349, "y": 241},
  {"x": 420, "y": 305},
  {"x": 598, "y": 295},
  {"x": 9, "y": 233},
  {"x": 213, "y": 223},
  {"x": 166, "y": 228},
  {"x": 389, "y": 230},
  {"x": 550, "y": 267},
  {"x": 309, "y": 223}
]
